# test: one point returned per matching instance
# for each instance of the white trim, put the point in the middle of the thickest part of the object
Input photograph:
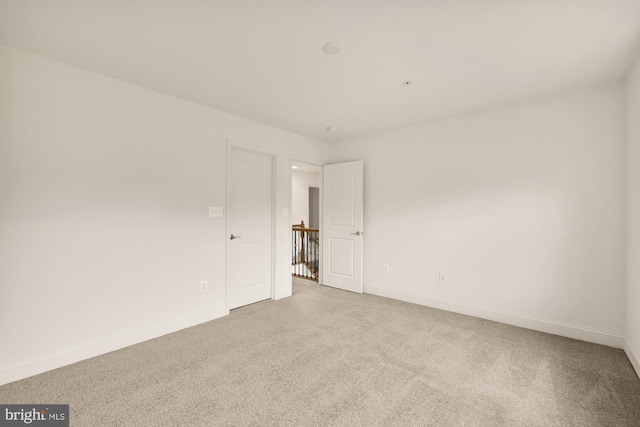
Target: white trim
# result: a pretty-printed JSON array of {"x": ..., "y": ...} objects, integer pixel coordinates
[
  {"x": 548, "y": 326},
  {"x": 632, "y": 357},
  {"x": 53, "y": 361},
  {"x": 308, "y": 160},
  {"x": 254, "y": 148}
]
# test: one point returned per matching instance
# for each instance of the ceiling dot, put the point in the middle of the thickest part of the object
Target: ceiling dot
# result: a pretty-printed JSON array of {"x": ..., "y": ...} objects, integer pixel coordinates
[{"x": 331, "y": 48}]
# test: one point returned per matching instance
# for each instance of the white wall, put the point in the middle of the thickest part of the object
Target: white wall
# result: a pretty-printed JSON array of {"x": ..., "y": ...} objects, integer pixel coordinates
[
  {"x": 104, "y": 233},
  {"x": 522, "y": 205},
  {"x": 300, "y": 183},
  {"x": 632, "y": 333}
]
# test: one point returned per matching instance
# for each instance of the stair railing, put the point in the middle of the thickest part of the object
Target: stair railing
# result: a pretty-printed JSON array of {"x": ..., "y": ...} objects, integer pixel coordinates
[{"x": 305, "y": 251}]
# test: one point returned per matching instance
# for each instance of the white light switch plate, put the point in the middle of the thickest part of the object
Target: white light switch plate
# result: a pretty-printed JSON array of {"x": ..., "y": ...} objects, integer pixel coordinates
[{"x": 215, "y": 211}]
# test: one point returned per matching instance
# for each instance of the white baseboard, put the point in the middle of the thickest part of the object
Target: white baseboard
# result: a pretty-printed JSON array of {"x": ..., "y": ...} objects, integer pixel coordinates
[
  {"x": 551, "y": 327},
  {"x": 37, "y": 366},
  {"x": 632, "y": 357}
]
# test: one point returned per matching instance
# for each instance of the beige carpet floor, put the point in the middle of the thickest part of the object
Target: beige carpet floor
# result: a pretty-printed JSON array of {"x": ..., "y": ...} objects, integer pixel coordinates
[{"x": 329, "y": 357}]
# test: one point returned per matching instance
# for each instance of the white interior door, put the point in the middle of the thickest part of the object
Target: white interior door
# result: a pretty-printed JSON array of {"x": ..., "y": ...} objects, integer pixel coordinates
[
  {"x": 249, "y": 227},
  {"x": 342, "y": 226}
]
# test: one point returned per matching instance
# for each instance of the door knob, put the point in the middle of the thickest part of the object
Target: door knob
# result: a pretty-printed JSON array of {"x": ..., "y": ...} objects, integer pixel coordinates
[
  {"x": 231, "y": 237},
  {"x": 358, "y": 233}
]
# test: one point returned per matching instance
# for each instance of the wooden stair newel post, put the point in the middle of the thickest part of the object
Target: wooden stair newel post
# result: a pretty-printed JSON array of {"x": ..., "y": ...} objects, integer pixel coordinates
[{"x": 302, "y": 257}]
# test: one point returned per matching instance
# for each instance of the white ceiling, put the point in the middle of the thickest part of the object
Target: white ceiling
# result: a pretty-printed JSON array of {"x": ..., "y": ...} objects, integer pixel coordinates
[{"x": 263, "y": 59}]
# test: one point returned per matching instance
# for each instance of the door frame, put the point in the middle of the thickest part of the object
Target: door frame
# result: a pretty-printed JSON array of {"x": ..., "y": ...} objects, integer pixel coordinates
[
  {"x": 293, "y": 158},
  {"x": 235, "y": 145}
]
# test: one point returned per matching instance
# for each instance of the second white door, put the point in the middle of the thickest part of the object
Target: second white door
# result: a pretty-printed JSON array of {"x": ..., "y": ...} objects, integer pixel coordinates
[{"x": 342, "y": 221}]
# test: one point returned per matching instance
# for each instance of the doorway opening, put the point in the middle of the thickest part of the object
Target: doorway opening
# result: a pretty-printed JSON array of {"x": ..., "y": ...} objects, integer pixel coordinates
[{"x": 306, "y": 251}]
